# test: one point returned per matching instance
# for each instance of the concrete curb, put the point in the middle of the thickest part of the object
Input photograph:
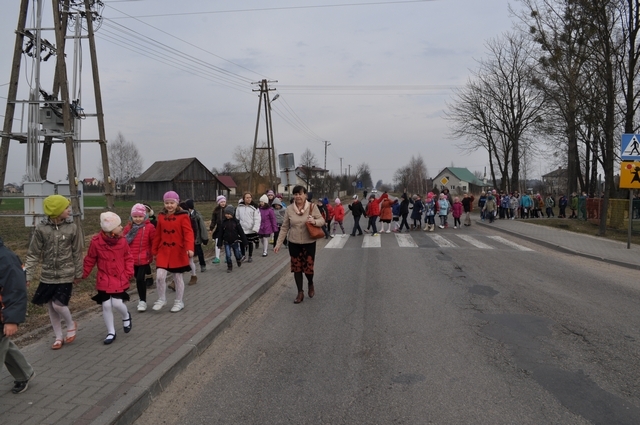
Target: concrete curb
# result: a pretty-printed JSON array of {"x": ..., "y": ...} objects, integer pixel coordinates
[
  {"x": 561, "y": 248},
  {"x": 132, "y": 403}
]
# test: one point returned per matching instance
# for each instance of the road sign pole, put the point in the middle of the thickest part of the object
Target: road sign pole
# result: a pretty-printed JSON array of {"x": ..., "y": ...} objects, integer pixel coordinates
[{"x": 630, "y": 218}]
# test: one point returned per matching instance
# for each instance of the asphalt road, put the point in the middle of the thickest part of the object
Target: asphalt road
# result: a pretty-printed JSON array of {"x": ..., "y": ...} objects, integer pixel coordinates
[{"x": 426, "y": 335}]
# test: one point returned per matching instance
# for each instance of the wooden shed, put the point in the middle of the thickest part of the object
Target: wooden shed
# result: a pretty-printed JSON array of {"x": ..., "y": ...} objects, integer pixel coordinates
[{"x": 186, "y": 176}]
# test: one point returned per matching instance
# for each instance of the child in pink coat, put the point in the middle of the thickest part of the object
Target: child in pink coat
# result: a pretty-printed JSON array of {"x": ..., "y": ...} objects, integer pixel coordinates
[
  {"x": 456, "y": 210},
  {"x": 338, "y": 217},
  {"x": 268, "y": 223},
  {"x": 110, "y": 251},
  {"x": 139, "y": 235}
]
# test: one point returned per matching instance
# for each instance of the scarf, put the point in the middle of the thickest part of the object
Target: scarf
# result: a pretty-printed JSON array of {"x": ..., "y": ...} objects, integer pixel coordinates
[
  {"x": 300, "y": 211},
  {"x": 131, "y": 234}
]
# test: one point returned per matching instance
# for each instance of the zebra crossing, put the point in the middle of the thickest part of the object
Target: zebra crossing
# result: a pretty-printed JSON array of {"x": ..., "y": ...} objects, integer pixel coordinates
[{"x": 425, "y": 240}]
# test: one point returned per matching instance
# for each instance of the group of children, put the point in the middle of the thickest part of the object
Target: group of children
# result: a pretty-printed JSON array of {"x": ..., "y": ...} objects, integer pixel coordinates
[
  {"x": 119, "y": 255},
  {"x": 237, "y": 230},
  {"x": 393, "y": 214}
]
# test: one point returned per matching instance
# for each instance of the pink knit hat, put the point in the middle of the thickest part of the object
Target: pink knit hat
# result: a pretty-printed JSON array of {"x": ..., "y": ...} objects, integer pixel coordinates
[
  {"x": 138, "y": 210},
  {"x": 220, "y": 199},
  {"x": 171, "y": 196},
  {"x": 338, "y": 201}
]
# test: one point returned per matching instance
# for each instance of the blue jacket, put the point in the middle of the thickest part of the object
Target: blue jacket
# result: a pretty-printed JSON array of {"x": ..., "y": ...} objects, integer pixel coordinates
[
  {"x": 13, "y": 287},
  {"x": 444, "y": 206},
  {"x": 395, "y": 209}
]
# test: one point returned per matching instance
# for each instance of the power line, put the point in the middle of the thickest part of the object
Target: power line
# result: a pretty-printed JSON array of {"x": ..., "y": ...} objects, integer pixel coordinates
[
  {"x": 297, "y": 118},
  {"x": 186, "y": 42},
  {"x": 162, "y": 52},
  {"x": 172, "y": 64},
  {"x": 152, "y": 41},
  {"x": 265, "y": 9}
]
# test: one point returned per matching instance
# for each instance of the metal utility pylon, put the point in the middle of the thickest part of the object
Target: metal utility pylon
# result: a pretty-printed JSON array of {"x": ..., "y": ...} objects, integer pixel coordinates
[
  {"x": 264, "y": 96},
  {"x": 31, "y": 42}
]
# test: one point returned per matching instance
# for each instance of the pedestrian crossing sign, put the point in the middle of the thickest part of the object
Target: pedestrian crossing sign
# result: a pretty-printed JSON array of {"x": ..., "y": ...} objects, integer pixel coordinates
[
  {"x": 630, "y": 175},
  {"x": 630, "y": 147}
]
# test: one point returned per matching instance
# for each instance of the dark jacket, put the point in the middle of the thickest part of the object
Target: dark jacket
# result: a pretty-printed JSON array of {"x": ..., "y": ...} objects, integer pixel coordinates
[
  {"x": 356, "y": 208},
  {"x": 217, "y": 217},
  {"x": 418, "y": 209},
  {"x": 466, "y": 203},
  {"x": 13, "y": 287},
  {"x": 230, "y": 231},
  {"x": 404, "y": 205}
]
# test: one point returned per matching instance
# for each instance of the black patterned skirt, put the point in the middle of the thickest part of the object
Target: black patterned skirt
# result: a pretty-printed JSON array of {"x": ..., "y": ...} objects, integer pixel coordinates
[
  {"x": 252, "y": 237},
  {"x": 302, "y": 257},
  {"x": 60, "y": 293},
  {"x": 102, "y": 296}
]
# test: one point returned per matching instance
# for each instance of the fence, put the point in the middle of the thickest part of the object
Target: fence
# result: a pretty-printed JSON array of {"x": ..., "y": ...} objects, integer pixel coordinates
[{"x": 617, "y": 212}]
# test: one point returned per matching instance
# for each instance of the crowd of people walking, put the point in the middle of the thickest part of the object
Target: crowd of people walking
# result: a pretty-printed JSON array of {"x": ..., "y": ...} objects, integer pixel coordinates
[{"x": 173, "y": 239}]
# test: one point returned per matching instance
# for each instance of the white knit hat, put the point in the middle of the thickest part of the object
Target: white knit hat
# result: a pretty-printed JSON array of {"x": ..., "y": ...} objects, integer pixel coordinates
[
  {"x": 265, "y": 199},
  {"x": 109, "y": 221}
]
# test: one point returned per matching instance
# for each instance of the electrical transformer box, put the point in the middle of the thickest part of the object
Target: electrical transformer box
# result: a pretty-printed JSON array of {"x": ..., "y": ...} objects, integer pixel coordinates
[
  {"x": 50, "y": 121},
  {"x": 34, "y": 194}
]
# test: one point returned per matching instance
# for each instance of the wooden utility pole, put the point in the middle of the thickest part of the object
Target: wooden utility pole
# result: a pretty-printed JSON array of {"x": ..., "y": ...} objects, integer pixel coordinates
[
  {"x": 264, "y": 96},
  {"x": 324, "y": 169},
  {"x": 13, "y": 91},
  {"x": 108, "y": 182},
  {"x": 61, "y": 73}
]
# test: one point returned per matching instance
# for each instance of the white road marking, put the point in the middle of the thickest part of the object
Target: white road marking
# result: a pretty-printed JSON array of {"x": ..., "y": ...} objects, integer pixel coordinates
[
  {"x": 370, "y": 241},
  {"x": 442, "y": 242},
  {"x": 473, "y": 241},
  {"x": 405, "y": 241},
  {"x": 509, "y": 243},
  {"x": 337, "y": 242}
]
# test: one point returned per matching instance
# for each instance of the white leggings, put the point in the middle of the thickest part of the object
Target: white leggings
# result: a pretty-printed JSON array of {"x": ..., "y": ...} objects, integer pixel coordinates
[
  {"x": 58, "y": 312},
  {"x": 107, "y": 312},
  {"x": 161, "y": 284}
]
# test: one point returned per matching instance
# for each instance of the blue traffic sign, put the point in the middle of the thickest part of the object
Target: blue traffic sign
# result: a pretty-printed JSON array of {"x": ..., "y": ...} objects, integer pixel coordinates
[{"x": 630, "y": 147}]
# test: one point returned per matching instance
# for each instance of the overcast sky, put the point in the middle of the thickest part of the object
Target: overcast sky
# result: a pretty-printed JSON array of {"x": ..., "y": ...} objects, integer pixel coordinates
[{"x": 370, "y": 77}]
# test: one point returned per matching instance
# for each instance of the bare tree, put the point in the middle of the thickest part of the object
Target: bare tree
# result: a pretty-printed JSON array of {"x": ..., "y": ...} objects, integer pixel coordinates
[
  {"x": 227, "y": 169},
  {"x": 501, "y": 108},
  {"x": 242, "y": 157},
  {"x": 413, "y": 176},
  {"x": 125, "y": 162},
  {"x": 308, "y": 162},
  {"x": 363, "y": 173}
]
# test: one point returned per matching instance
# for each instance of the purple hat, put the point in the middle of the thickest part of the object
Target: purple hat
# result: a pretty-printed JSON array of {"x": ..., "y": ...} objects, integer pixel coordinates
[
  {"x": 220, "y": 199},
  {"x": 171, "y": 196},
  {"x": 270, "y": 192}
]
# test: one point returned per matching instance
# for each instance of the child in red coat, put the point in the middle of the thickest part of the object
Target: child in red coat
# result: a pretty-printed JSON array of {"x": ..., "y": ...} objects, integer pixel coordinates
[
  {"x": 338, "y": 217},
  {"x": 115, "y": 268},
  {"x": 139, "y": 235},
  {"x": 173, "y": 247}
]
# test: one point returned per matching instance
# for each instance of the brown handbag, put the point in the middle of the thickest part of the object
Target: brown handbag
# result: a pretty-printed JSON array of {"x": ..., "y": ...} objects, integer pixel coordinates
[{"x": 314, "y": 232}]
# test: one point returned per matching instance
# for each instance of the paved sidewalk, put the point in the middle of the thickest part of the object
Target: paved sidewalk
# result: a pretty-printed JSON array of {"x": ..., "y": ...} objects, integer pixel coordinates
[
  {"x": 87, "y": 382},
  {"x": 593, "y": 247}
]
